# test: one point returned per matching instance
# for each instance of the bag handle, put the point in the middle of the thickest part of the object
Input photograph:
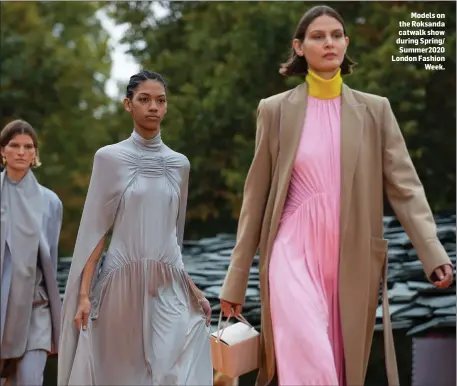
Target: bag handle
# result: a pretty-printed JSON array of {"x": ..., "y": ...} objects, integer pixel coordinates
[{"x": 240, "y": 317}]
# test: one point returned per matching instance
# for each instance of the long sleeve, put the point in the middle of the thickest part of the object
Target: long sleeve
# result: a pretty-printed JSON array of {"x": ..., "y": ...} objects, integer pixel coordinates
[
  {"x": 407, "y": 197},
  {"x": 55, "y": 234},
  {"x": 180, "y": 224},
  {"x": 102, "y": 200},
  {"x": 181, "y": 220},
  {"x": 108, "y": 181},
  {"x": 255, "y": 196}
]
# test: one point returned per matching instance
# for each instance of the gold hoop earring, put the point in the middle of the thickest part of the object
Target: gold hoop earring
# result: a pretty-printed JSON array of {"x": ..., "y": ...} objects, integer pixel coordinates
[
  {"x": 34, "y": 163},
  {"x": 4, "y": 161}
]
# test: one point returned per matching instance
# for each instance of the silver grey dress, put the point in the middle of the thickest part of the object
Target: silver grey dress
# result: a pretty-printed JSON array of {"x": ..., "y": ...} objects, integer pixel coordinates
[
  {"x": 31, "y": 216},
  {"x": 146, "y": 326}
]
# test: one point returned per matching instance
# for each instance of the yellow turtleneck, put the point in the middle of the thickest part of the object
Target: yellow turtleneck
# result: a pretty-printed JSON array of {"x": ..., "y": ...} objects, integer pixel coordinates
[{"x": 324, "y": 88}]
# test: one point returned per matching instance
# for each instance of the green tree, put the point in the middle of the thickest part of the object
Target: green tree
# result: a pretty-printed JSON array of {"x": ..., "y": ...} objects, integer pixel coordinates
[
  {"x": 423, "y": 101},
  {"x": 221, "y": 59},
  {"x": 55, "y": 62}
]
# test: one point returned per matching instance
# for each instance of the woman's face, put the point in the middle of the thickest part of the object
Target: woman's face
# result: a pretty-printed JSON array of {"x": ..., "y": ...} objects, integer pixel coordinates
[
  {"x": 324, "y": 45},
  {"x": 19, "y": 153},
  {"x": 148, "y": 105}
]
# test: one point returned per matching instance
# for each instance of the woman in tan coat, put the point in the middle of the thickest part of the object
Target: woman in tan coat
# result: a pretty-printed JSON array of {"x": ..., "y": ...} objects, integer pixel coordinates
[{"x": 313, "y": 205}]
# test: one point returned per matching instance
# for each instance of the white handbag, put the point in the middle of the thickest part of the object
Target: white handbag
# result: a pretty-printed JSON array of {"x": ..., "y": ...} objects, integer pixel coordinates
[{"x": 235, "y": 349}]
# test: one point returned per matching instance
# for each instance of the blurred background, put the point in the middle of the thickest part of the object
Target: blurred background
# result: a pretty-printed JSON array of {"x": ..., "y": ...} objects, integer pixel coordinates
[
  {"x": 219, "y": 59},
  {"x": 65, "y": 66}
]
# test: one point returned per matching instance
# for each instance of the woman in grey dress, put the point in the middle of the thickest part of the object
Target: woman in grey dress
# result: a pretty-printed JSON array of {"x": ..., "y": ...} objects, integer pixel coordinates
[
  {"x": 139, "y": 319},
  {"x": 31, "y": 216}
]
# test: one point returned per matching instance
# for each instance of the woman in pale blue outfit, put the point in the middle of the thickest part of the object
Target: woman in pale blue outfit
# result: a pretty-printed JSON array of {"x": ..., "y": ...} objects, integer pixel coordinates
[
  {"x": 139, "y": 319},
  {"x": 31, "y": 217}
]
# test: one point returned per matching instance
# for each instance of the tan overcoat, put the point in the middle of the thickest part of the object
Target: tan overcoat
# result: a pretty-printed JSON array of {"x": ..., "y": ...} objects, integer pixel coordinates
[{"x": 374, "y": 159}]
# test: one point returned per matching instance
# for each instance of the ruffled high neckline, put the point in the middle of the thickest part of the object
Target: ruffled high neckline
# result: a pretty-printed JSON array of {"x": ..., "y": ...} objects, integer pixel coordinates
[
  {"x": 324, "y": 88},
  {"x": 154, "y": 143}
]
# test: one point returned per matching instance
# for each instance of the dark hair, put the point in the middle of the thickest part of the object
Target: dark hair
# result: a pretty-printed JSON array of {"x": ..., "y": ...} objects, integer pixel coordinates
[
  {"x": 137, "y": 79},
  {"x": 297, "y": 65},
  {"x": 15, "y": 128}
]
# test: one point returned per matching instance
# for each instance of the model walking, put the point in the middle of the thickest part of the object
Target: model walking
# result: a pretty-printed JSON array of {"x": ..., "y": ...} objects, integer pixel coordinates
[
  {"x": 141, "y": 321},
  {"x": 313, "y": 203},
  {"x": 31, "y": 217}
]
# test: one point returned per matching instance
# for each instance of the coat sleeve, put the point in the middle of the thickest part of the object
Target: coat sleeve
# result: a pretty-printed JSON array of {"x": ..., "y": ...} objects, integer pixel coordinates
[
  {"x": 255, "y": 196},
  {"x": 54, "y": 233},
  {"x": 407, "y": 197}
]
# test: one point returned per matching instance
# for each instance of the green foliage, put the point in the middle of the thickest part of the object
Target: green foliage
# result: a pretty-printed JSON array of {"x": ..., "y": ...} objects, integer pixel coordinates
[
  {"x": 221, "y": 58},
  {"x": 55, "y": 61}
]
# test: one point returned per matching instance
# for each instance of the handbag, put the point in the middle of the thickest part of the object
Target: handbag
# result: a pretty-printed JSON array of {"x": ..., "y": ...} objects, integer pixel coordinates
[{"x": 235, "y": 350}]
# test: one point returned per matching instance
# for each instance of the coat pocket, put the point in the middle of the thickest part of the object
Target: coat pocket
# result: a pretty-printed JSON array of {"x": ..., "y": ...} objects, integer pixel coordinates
[
  {"x": 379, "y": 245},
  {"x": 378, "y": 260},
  {"x": 378, "y": 249}
]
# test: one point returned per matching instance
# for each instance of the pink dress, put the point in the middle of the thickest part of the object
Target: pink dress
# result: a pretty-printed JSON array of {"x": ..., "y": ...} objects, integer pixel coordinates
[{"x": 304, "y": 263}]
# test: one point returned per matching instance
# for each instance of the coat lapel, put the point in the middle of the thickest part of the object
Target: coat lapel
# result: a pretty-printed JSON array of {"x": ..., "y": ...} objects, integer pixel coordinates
[
  {"x": 35, "y": 199},
  {"x": 293, "y": 111},
  {"x": 352, "y": 117}
]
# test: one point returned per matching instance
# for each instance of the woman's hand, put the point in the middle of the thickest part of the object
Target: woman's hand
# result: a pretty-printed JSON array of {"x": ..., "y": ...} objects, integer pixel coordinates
[
  {"x": 442, "y": 277},
  {"x": 204, "y": 303},
  {"x": 82, "y": 313},
  {"x": 230, "y": 309}
]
